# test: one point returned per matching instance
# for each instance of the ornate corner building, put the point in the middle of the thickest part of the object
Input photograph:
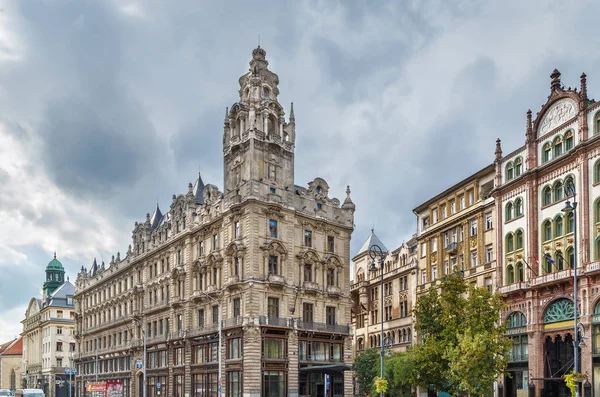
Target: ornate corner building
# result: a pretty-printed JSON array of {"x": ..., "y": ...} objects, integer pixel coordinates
[
  {"x": 267, "y": 256},
  {"x": 48, "y": 335},
  {"x": 539, "y": 245},
  {"x": 399, "y": 285}
]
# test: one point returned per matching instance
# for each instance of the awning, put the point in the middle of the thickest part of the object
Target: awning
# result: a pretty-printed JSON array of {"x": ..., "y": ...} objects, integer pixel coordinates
[{"x": 327, "y": 368}]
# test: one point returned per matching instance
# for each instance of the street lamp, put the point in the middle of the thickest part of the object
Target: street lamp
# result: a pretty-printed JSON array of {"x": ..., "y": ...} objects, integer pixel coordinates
[
  {"x": 376, "y": 252},
  {"x": 569, "y": 189}
]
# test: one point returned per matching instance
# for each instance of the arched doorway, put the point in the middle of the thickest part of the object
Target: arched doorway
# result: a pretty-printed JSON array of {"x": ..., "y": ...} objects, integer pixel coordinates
[
  {"x": 558, "y": 347},
  {"x": 517, "y": 377},
  {"x": 140, "y": 388}
]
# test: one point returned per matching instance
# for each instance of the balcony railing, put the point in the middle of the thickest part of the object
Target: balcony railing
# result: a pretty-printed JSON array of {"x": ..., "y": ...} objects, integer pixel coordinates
[
  {"x": 203, "y": 330},
  {"x": 314, "y": 326},
  {"x": 275, "y": 321},
  {"x": 551, "y": 277},
  {"x": 333, "y": 290},
  {"x": 452, "y": 247},
  {"x": 311, "y": 286},
  {"x": 359, "y": 284},
  {"x": 236, "y": 321},
  {"x": 513, "y": 287}
]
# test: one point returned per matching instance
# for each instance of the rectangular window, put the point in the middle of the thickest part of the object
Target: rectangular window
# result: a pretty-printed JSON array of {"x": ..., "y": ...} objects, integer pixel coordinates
[
  {"x": 461, "y": 233},
  {"x": 474, "y": 227},
  {"x": 273, "y": 307},
  {"x": 179, "y": 257},
  {"x": 58, "y": 330},
  {"x": 200, "y": 252},
  {"x": 330, "y": 277},
  {"x": 274, "y": 348},
  {"x": 179, "y": 322},
  {"x": 237, "y": 307},
  {"x": 201, "y": 318},
  {"x": 471, "y": 194},
  {"x": 308, "y": 238},
  {"x": 234, "y": 348},
  {"x": 488, "y": 221},
  {"x": 474, "y": 258},
  {"x": 423, "y": 276},
  {"x": 461, "y": 203},
  {"x": 433, "y": 272},
  {"x": 330, "y": 312},
  {"x": 274, "y": 383},
  {"x": 307, "y": 312},
  {"x": 234, "y": 384},
  {"x": 330, "y": 244},
  {"x": 273, "y": 264},
  {"x": 59, "y": 362},
  {"x": 215, "y": 314},
  {"x": 236, "y": 266},
  {"x": 178, "y": 356},
  {"x": 273, "y": 228},
  {"x": 489, "y": 253},
  {"x": 452, "y": 207},
  {"x": 444, "y": 211},
  {"x": 215, "y": 242},
  {"x": 434, "y": 215},
  {"x": 423, "y": 249},
  {"x": 446, "y": 267},
  {"x": 236, "y": 230},
  {"x": 308, "y": 272},
  {"x": 434, "y": 244},
  {"x": 488, "y": 283}
]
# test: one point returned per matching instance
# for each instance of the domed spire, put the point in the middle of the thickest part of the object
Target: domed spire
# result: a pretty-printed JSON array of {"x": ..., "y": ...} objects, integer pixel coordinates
[
  {"x": 348, "y": 204},
  {"x": 555, "y": 84}
]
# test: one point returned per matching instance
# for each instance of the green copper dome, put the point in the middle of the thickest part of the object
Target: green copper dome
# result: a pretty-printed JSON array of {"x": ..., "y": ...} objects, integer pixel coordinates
[{"x": 55, "y": 265}]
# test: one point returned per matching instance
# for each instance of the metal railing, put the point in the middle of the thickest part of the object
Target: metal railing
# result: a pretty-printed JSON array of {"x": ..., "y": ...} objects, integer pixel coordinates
[{"x": 315, "y": 326}]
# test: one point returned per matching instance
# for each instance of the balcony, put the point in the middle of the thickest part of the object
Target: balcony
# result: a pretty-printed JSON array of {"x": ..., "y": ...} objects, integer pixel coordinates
[
  {"x": 359, "y": 284},
  {"x": 452, "y": 247},
  {"x": 514, "y": 287},
  {"x": 334, "y": 291},
  {"x": 231, "y": 280},
  {"x": 233, "y": 322},
  {"x": 561, "y": 275},
  {"x": 177, "y": 301},
  {"x": 203, "y": 330},
  {"x": 276, "y": 279},
  {"x": 323, "y": 327},
  {"x": 156, "y": 306},
  {"x": 592, "y": 267},
  {"x": 311, "y": 287},
  {"x": 275, "y": 321}
]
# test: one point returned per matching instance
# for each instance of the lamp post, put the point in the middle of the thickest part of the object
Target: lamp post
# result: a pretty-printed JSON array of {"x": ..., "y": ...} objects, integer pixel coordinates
[
  {"x": 572, "y": 208},
  {"x": 375, "y": 252}
]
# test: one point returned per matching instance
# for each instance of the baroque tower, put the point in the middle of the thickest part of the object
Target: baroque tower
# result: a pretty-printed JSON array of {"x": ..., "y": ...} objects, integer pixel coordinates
[
  {"x": 55, "y": 276},
  {"x": 258, "y": 144}
]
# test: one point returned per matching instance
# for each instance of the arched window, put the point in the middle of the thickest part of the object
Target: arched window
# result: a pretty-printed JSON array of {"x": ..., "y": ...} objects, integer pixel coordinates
[
  {"x": 509, "y": 171},
  {"x": 560, "y": 263},
  {"x": 265, "y": 92},
  {"x": 570, "y": 223},
  {"x": 570, "y": 256},
  {"x": 558, "y": 147},
  {"x": 546, "y": 152},
  {"x": 570, "y": 184},
  {"x": 510, "y": 242},
  {"x": 597, "y": 172},
  {"x": 597, "y": 248},
  {"x": 558, "y": 191},
  {"x": 519, "y": 239},
  {"x": 597, "y": 210},
  {"x": 519, "y": 272},
  {"x": 547, "y": 230},
  {"x": 509, "y": 211},
  {"x": 597, "y": 123},
  {"x": 558, "y": 226},
  {"x": 569, "y": 140},
  {"x": 272, "y": 125},
  {"x": 510, "y": 274},
  {"x": 546, "y": 195},
  {"x": 518, "y": 207},
  {"x": 516, "y": 320},
  {"x": 518, "y": 166},
  {"x": 559, "y": 310}
]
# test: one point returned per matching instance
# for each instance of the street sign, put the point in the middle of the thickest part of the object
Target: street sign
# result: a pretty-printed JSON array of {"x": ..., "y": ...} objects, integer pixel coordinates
[
  {"x": 220, "y": 389},
  {"x": 70, "y": 371},
  {"x": 138, "y": 364},
  {"x": 158, "y": 385}
]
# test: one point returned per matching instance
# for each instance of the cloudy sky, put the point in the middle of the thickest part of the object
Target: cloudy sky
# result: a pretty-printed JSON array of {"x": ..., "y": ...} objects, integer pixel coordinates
[{"x": 108, "y": 107}]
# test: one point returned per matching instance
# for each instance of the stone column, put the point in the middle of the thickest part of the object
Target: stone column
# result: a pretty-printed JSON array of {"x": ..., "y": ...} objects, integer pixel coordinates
[
  {"x": 252, "y": 361},
  {"x": 293, "y": 369}
]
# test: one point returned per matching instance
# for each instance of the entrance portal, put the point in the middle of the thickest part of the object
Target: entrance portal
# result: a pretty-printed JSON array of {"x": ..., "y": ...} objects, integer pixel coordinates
[{"x": 558, "y": 361}]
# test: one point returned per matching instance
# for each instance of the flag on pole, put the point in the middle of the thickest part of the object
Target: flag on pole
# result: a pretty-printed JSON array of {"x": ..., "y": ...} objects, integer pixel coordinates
[{"x": 549, "y": 258}]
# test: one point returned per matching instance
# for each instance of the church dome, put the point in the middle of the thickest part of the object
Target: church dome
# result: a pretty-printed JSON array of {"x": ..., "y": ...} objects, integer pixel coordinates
[{"x": 54, "y": 264}]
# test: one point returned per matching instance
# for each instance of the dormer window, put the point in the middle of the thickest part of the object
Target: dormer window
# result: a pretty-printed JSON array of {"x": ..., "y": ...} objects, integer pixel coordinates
[
  {"x": 319, "y": 189},
  {"x": 319, "y": 206}
]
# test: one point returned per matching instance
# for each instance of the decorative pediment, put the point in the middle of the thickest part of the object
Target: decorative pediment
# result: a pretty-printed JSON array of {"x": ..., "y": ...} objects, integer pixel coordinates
[
  {"x": 214, "y": 259},
  {"x": 235, "y": 249},
  {"x": 177, "y": 272},
  {"x": 308, "y": 255},
  {"x": 274, "y": 247},
  {"x": 273, "y": 212},
  {"x": 332, "y": 260}
]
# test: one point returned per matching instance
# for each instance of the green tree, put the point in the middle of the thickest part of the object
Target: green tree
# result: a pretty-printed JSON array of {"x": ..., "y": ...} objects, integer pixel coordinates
[
  {"x": 462, "y": 347},
  {"x": 366, "y": 368},
  {"x": 398, "y": 370}
]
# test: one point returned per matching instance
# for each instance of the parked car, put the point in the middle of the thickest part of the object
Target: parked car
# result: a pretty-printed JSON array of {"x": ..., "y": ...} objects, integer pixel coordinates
[
  {"x": 5, "y": 392},
  {"x": 30, "y": 393}
]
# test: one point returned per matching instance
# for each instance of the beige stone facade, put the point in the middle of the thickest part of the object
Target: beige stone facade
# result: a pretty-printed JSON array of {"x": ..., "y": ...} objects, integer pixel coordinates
[
  {"x": 11, "y": 354},
  {"x": 399, "y": 286},
  {"x": 272, "y": 258},
  {"x": 536, "y": 243},
  {"x": 456, "y": 230},
  {"x": 48, "y": 335}
]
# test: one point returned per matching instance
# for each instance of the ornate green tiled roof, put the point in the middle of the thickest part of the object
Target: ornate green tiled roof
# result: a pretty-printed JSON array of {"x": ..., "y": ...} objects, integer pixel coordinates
[{"x": 55, "y": 264}]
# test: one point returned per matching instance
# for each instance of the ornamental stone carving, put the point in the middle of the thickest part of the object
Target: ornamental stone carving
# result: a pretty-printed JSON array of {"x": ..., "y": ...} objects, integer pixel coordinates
[{"x": 561, "y": 112}]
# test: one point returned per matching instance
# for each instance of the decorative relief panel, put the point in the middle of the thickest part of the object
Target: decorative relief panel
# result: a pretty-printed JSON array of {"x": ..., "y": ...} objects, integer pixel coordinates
[{"x": 559, "y": 113}]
